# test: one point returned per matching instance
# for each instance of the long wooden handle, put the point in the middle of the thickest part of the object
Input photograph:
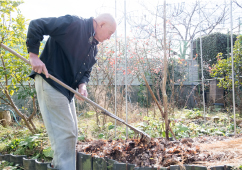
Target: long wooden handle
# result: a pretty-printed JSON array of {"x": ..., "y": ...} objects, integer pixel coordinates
[{"x": 146, "y": 136}]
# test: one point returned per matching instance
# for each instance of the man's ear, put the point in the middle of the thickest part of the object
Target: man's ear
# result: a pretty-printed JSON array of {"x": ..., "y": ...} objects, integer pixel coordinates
[{"x": 102, "y": 24}]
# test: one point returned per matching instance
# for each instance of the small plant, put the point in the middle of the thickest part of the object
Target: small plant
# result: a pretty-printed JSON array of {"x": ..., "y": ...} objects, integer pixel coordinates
[
  {"x": 106, "y": 131},
  {"x": 194, "y": 114},
  {"x": 181, "y": 130},
  {"x": 13, "y": 145},
  {"x": 152, "y": 126},
  {"x": 9, "y": 165},
  {"x": 31, "y": 146},
  {"x": 81, "y": 137},
  {"x": 48, "y": 152}
]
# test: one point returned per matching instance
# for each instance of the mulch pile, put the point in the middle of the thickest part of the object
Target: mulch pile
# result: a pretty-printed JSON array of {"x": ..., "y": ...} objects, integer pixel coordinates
[{"x": 159, "y": 152}]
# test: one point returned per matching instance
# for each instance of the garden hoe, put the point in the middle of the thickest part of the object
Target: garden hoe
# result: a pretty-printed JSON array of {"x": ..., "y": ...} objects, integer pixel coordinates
[{"x": 144, "y": 137}]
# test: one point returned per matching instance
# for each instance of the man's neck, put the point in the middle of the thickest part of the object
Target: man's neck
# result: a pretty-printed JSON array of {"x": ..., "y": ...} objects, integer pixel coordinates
[
  {"x": 94, "y": 24},
  {"x": 95, "y": 27}
]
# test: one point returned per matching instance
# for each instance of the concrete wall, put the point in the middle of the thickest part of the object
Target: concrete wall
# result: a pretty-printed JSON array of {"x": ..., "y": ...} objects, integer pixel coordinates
[{"x": 216, "y": 94}]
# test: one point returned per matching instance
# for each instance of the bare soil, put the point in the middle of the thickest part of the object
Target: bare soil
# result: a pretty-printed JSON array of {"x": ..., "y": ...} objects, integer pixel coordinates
[{"x": 226, "y": 152}]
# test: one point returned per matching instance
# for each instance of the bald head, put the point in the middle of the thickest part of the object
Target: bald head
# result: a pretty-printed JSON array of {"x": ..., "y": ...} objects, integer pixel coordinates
[
  {"x": 104, "y": 26},
  {"x": 106, "y": 17}
]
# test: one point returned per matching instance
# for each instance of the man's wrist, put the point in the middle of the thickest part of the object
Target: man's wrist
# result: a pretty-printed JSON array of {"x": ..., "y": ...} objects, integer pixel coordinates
[
  {"x": 33, "y": 55},
  {"x": 82, "y": 84}
]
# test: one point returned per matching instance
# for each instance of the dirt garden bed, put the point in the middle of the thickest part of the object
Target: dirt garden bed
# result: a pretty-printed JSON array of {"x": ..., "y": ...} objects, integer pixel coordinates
[{"x": 205, "y": 151}]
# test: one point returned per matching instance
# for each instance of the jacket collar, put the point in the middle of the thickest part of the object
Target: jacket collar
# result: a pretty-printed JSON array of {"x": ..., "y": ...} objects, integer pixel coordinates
[{"x": 91, "y": 33}]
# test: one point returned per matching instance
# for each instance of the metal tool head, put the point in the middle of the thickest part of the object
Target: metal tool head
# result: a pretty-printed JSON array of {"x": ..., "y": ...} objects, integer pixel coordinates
[{"x": 145, "y": 138}]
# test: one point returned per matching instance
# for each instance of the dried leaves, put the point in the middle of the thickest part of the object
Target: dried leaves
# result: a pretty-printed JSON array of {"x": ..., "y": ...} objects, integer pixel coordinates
[{"x": 159, "y": 152}]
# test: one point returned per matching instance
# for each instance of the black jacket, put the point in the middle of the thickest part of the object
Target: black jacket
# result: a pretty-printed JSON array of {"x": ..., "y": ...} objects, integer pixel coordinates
[{"x": 68, "y": 53}]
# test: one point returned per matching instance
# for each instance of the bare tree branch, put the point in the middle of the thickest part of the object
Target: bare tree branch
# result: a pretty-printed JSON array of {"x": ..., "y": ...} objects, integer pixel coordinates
[{"x": 237, "y": 4}]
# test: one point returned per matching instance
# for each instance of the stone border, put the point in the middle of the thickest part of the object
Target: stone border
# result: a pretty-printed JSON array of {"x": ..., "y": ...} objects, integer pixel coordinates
[{"x": 88, "y": 162}]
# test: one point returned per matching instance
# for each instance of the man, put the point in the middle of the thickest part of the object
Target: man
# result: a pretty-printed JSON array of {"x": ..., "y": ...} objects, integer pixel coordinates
[{"x": 68, "y": 55}]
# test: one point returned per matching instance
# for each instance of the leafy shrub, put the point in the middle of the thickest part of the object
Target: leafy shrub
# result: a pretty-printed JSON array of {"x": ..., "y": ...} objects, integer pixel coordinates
[{"x": 32, "y": 146}]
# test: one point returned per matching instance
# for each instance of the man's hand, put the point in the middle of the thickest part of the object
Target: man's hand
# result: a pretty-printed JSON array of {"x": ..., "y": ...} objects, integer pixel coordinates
[
  {"x": 37, "y": 65},
  {"x": 83, "y": 90}
]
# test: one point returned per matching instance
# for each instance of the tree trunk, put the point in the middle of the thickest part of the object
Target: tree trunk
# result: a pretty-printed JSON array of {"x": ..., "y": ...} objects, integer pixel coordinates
[
  {"x": 154, "y": 98},
  {"x": 25, "y": 118},
  {"x": 32, "y": 115}
]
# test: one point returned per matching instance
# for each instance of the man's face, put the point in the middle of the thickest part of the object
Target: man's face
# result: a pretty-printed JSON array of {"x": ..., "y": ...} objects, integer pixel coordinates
[{"x": 105, "y": 31}]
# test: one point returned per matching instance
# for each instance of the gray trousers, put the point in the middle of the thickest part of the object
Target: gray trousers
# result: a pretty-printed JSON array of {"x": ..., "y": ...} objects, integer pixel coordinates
[{"x": 60, "y": 120}]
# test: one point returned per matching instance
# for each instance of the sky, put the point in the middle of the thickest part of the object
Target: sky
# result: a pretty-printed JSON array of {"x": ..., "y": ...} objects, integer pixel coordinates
[{"x": 33, "y": 9}]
